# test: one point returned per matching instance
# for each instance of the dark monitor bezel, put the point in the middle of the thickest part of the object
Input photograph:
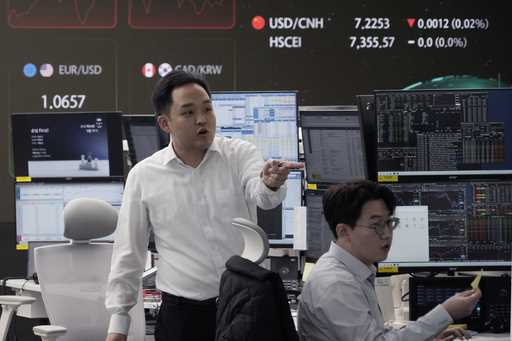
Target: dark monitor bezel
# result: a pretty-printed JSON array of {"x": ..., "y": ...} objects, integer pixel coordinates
[
  {"x": 427, "y": 292},
  {"x": 390, "y": 269},
  {"x": 297, "y": 101},
  {"x": 114, "y": 140},
  {"x": 308, "y": 253},
  {"x": 366, "y": 106},
  {"x": 149, "y": 120},
  {"x": 324, "y": 109}
]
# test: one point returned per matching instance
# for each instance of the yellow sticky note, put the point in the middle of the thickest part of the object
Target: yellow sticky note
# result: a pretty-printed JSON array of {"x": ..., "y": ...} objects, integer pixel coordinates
[
  {"x": 458, "y": 325},
  {"x": 477, "y": 279},
  {"x": 21, "y": 247},
  {"x": 307, "y": 270},
  {"x": 387, "y": 178},
  {"x": 387, "y": 269}
]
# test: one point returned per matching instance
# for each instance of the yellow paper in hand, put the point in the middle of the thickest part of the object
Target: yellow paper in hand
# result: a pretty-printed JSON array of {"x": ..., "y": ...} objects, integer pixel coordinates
[
  {"x": 458, "y": 325},
  {"x": 307, "y": 270},
  {"x": 477, "y": 279}
]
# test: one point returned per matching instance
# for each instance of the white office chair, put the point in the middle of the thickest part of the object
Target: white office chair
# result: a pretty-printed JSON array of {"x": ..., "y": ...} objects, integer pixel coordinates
[
  {"x": 10, "y": 305},
  {"x": 255, "y": 240},
  {"x": 73, "y": 276}
]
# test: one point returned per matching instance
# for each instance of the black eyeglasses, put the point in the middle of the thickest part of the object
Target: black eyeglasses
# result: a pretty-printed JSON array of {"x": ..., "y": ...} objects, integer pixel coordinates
[{"x": 379, "y": 226}]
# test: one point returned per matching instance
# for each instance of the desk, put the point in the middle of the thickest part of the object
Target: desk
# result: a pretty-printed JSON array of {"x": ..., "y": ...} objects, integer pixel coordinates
[
  {"x": 477, "y": 337},
  {"x": 37, "y": 310},
  {"x": 25, "y": 287},
  {"x": 491, "y": 337}
]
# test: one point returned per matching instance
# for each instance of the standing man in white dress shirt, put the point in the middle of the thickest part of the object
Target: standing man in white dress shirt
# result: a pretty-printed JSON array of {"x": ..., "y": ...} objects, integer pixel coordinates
[
  {"x": 188, "y": 194},
  {"x": 338, "y": 302}
]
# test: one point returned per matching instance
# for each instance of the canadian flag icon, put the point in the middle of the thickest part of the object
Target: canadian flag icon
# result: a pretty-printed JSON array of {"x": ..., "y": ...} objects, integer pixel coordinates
[{"x": 148, "y": 70}]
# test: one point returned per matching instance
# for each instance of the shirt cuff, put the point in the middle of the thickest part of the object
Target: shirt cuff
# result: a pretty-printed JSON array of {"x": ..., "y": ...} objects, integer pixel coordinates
[
  {"x": 119, "y": 323},
  {"x": 440, "y": 317}
]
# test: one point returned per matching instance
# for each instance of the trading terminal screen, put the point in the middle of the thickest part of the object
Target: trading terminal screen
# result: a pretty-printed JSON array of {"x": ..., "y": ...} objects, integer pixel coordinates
[
  {"x": 333, "y": 144},
  {"x": 67, "y": 145},
  {"x": 318, "y": 234},
  {"x": 450, "y": 133},
  {"x": 267, "y": 119},
  {"x": 39, "y": 206},
  {"x": 453, "y": 224},
  {"x": 278, "y": 222}
]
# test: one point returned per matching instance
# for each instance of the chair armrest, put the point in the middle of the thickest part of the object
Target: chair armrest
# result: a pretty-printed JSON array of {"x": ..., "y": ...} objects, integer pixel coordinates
[
  {"x": 16, "y": 301},
  {"x": 49, "y": 331}
]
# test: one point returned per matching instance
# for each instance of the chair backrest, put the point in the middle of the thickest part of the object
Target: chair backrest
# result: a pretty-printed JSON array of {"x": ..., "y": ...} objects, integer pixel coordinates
[
  {"x": 73, "y": 276},
  {"x": 255, "y": 240},
  {"x": 252, "y": 303}
]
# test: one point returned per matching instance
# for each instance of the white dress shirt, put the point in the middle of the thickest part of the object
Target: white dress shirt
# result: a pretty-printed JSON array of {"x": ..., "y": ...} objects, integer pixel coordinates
[
  {"x": 190, "y": 211},
  {"x": 339, "y": 303}
]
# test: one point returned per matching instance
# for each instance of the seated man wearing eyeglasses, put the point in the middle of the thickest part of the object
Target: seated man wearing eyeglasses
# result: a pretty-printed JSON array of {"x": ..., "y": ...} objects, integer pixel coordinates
[{"x": 338, "y": 302}]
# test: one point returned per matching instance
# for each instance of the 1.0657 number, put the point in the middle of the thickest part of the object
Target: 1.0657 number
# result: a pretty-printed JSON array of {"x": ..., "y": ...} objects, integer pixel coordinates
[{"x": 63, "y": 101}]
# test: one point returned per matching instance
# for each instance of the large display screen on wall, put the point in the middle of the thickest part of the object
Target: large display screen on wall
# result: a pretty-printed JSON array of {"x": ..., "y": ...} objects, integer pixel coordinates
[{"x": 107, "y": 55}]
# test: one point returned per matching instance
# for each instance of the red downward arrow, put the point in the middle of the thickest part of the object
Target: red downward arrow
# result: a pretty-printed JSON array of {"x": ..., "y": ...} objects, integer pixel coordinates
[{"x": 411, "y": 22}]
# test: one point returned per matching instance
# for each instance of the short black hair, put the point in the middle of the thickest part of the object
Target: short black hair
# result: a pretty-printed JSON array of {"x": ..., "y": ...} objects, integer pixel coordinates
[
  {"x": 162, "y": 92},
  {"x": 343, "y": 203}
]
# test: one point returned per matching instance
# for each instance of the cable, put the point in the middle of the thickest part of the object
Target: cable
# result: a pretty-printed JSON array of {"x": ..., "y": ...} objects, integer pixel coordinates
[
  {"x": 23, "y": 285},
  {"x": 4, "y": 285}
]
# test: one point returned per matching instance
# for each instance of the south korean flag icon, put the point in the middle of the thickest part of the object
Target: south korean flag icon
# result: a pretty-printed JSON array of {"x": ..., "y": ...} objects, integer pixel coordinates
[{"x": 164, "y": 69}]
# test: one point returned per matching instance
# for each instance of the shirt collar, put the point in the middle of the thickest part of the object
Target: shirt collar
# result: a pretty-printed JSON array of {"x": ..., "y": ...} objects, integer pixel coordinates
[
  {"x": 168, "y": 153},
  {"x": 354, "y": 265}
]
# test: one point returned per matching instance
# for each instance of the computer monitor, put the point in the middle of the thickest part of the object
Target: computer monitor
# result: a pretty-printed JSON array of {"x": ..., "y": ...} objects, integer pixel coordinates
[
  {"x": 40, "y": 205},
  {"x": 143, "y": 136},
  {"x": 366, "y": 107},
  {"x": 444, "y": 134},
  {"x": 318, "y": 234},
  {"x": 452, "y": 225},
  {"x": 278, "y": 222},
  {"x": 267, "y": 119},
  {"x": 491, "y": 313},
  {"x": 67, "y": 145},
  {"x": 333, "y": 144}
]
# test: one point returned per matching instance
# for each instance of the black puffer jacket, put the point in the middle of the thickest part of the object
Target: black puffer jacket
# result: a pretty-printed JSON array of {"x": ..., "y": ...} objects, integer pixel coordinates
[{"x": 252, "y": 305}]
